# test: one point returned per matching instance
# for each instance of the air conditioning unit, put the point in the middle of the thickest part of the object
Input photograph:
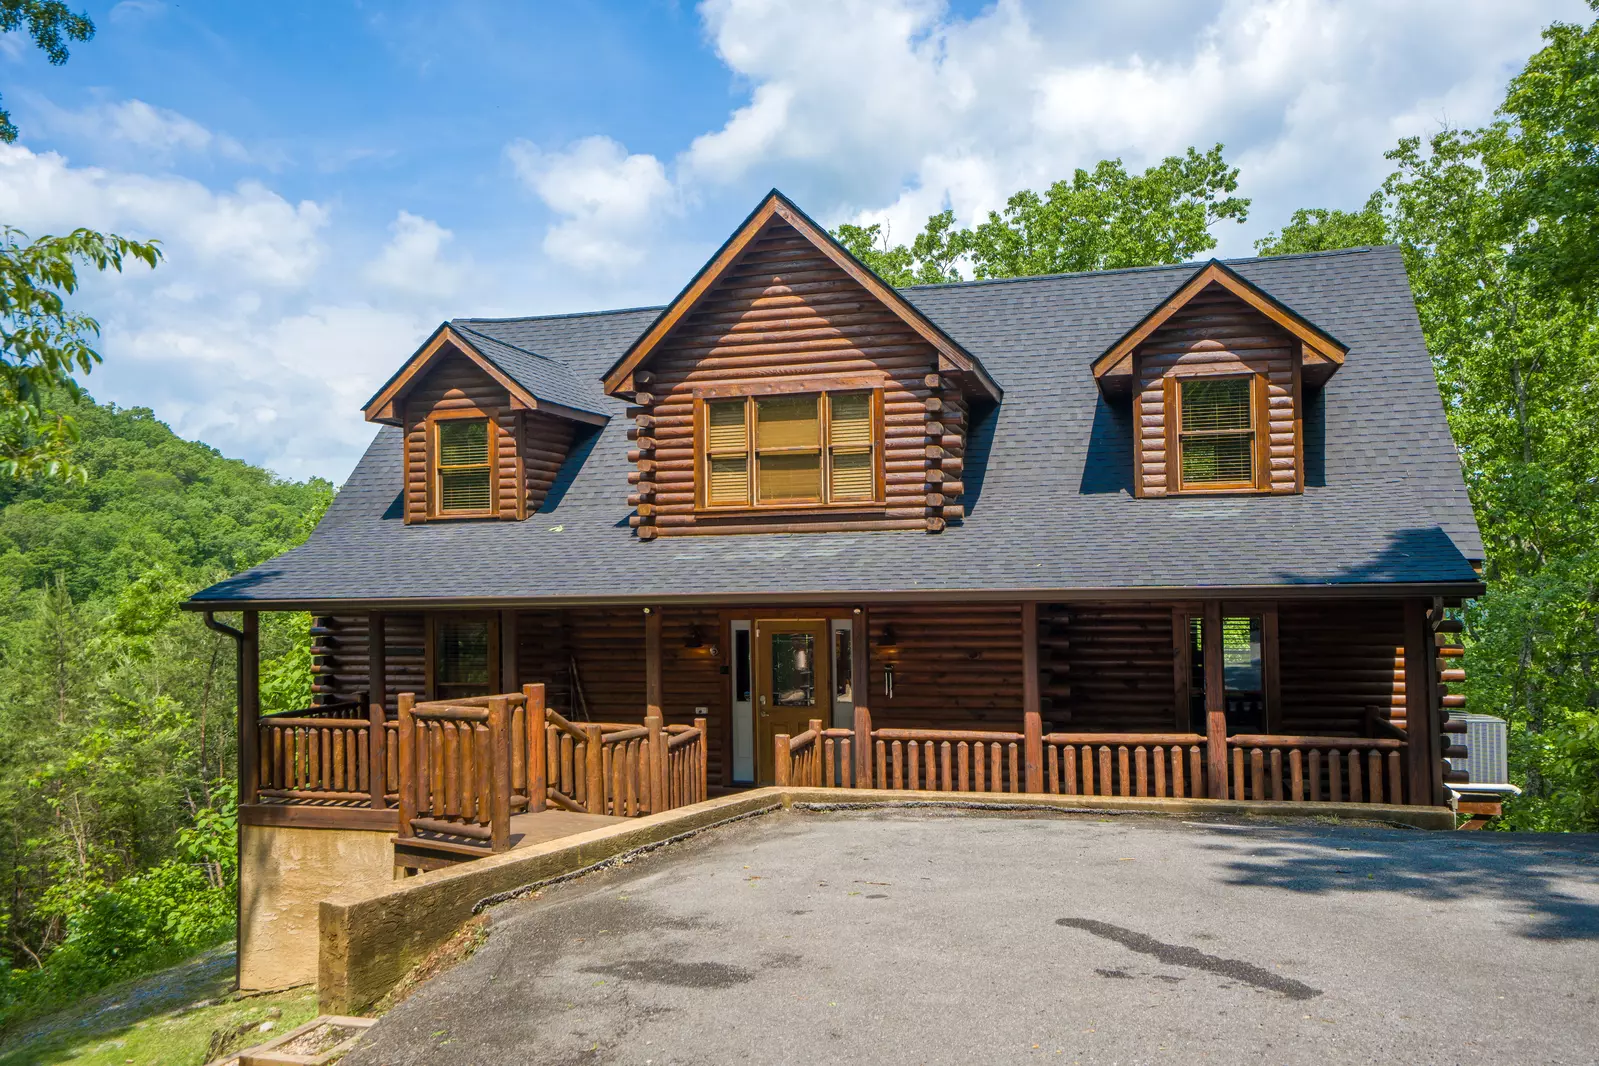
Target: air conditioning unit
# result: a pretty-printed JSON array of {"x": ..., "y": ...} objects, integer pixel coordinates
[{"x": 1487, "y": 749}]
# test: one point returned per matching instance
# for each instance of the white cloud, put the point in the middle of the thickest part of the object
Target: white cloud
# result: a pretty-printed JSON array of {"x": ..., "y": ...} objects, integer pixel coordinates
[
  {"x": 889, "y": 110},
  {"x": 157, "y": 134},
  {"x": 604, "y": 197},
  {"x": 411, "y": 262},
  {"x": 251, "y": 234}
]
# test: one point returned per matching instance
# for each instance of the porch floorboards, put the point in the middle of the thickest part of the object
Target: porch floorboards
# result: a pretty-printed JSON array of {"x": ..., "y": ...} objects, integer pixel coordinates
[{"x": 541, "y": 826}]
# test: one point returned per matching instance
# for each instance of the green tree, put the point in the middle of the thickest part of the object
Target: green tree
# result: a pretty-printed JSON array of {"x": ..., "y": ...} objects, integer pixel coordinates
[
  {"x": 1496, "y": 231},
  {"x": 51, "y": 24},
  {"x": 1102, "y": 219},
  {"x": 43, "y": 345}
]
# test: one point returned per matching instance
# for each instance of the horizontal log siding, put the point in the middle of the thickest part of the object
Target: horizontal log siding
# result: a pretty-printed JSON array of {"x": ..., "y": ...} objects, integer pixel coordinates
[
  {"x": 543, "y": 655},
  {"x": 692, "y": 677},
  {"x": 1337, "y": 660},
  {"x": 783, "y": 310},
  {"x": 1219, "y": 333},
  {"x": 339, "y": 657},
  {"x": 546, "y": 441},
  {"x": 955, "y": 667},
  {"x": 1108, "y": 667}
]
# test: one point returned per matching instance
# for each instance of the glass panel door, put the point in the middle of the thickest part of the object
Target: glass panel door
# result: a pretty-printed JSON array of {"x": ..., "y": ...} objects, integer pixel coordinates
[{"x": 792, "y": 683}]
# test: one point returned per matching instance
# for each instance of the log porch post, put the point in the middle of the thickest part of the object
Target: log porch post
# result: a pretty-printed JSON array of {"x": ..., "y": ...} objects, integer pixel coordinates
[
  {"x": 377, "y": 701},
  {"x": 407, "y": 743},
  {"x": 1423, "y": 769},
  {"x": 1215, "y": 701},
  {"x": 538, "y": 782},
  {"x": 249, "y": 706},
  {"x": 500, "y": 775},
  {"x": 652, "y": 662},
  {"x": 1032, "y": 703},
  {"x": 861, "y": 667}
]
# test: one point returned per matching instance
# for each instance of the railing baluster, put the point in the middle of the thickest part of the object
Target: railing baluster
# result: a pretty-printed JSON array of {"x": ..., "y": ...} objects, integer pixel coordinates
[
  {"x": 1296, "y": 775},
  {"x": 1159, "y": 755},
  {"x": 1356, "y": 791},
  {"x": 1276, "y": 773},
  {"x": 1141, "y": 763}
]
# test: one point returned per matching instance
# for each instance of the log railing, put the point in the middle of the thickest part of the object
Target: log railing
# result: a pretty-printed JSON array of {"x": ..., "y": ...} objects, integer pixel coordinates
[
  {"x": 947, "y": 760},
  {"x": 1331, "y": 769},
  {"x": 455, "y": 775},
  {"x": 1149, "y": 765},
  {"x": 1161, "y": 765},
  {"x": 322, "y": 755},
  {"x": 464, "y": 767},
  {"x": 799, "y": 758}
]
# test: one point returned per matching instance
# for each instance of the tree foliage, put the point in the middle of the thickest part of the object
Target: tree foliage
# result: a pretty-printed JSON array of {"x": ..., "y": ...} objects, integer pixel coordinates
[
  {"x": 1498, "y": 238},
  {"x": 51, "y": 24},
  {"x": 1102, "y": 219},
  {"x": 43, "y": 344},
  {"x": 117, "y": 733}
]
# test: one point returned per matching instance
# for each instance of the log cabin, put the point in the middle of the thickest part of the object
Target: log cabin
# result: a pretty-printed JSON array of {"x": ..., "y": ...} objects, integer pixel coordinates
[{"x": 1183, "y": 532}]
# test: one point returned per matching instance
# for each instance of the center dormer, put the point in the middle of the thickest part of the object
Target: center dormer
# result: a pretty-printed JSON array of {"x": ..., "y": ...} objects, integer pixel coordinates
[{"x": 787, "y": 389}]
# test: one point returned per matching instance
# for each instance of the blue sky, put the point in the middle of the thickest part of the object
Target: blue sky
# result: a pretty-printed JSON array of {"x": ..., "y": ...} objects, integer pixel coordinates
[{"x": 332, "y": 179}]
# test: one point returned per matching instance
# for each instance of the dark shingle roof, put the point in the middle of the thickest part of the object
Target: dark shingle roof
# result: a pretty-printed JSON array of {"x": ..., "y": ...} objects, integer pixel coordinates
[
  {"x": 1048, "y": 474},
  {"x": 545, "y": 377}
]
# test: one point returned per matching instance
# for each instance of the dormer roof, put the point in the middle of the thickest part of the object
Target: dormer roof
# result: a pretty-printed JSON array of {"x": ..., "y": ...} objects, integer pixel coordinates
[
  {"x": 535, "y": 382},
  {"x": 779, "y": 209},
  {"x": 1322, "y": 352}
]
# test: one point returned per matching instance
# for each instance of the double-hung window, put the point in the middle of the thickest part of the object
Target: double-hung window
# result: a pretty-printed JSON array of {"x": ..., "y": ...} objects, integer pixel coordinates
[
  {"x": 463, "y": 470},
  {"x": 1216, "y": 432},
  {"x": 790, "y": 450}
]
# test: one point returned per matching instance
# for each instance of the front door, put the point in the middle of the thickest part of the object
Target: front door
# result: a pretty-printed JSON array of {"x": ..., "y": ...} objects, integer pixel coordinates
[{"x": 791, "y": 683}]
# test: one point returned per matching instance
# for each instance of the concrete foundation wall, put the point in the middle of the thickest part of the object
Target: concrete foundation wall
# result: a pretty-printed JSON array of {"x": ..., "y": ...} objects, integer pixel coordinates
[{"x": 284, "y": 873}]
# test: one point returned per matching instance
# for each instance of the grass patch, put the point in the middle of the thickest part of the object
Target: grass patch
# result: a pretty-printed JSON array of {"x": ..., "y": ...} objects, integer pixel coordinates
[{"x": 181, "y": 1016}]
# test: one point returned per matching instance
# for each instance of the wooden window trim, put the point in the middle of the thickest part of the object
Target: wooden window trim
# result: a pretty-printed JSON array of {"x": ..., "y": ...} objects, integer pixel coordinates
[
  {"x": 1259, "y": 428},
  {"x": 703, "y": 508},
  {"x": 434, "y": 512},
  {"x": 430, "y": 649}
]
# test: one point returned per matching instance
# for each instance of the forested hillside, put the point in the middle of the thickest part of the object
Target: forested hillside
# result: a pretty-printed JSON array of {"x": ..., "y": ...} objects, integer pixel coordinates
[{"x": 116, "y": 709}]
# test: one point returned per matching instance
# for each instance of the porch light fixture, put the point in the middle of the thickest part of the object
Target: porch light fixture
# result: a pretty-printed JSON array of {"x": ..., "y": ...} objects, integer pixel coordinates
[
  {"x": 693, "y": 639},
  {"x": 888, "y": 639}
]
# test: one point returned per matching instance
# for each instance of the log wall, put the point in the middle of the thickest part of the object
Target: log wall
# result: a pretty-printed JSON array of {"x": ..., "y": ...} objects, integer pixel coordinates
[
  {"x": 1217, "y": 333},
  {"x": 783, "y": 310},
  {"x": 1337, "y": 660},
  {"x": 340, "y": 646},
  {"x": 955, "y": 666},
  {"x": 529, "y": 446},
  {"x": 1107, "y": 667}
]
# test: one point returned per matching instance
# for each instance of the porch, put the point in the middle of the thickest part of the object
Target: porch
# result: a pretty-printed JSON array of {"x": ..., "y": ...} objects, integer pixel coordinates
[{"x": 615, "y": 712}]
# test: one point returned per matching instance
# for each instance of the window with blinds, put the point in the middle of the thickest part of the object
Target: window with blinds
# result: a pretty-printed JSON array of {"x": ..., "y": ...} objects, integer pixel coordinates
[
  {"x": 727, "y": 454},
  {"x": 787, "y": 450},
  {"x": 1216, "y": 432},
  {"x": 851, "y": 473},
  {"x": 463, "y": 466}
]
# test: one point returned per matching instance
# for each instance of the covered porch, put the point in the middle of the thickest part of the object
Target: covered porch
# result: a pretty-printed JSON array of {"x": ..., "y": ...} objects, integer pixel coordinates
[{"x": 1313, "y": 700}]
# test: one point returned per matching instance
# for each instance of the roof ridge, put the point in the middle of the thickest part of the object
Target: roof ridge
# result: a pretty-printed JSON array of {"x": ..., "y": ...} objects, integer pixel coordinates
[
  {"x": 1189, "y": 266},
  {"x": 508, "y": 344},
  {"x": 567, "y": 314}
]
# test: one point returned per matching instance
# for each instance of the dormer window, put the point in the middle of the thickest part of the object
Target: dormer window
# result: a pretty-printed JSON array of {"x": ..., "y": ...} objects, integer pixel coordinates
[
  {"x": 462, "y": 468},
  {"x": 1216, "y": 434},
  {"x": 790, "y": 450}
]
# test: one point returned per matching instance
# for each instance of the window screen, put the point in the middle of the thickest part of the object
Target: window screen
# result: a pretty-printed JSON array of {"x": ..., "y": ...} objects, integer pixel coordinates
[
  {"x": 465, "y": 481},
  {"x": 1217, "y": 438}
]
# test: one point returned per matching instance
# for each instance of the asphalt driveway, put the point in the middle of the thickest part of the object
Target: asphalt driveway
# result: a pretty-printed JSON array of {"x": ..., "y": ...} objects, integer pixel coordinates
[{"x": 924, "y": 937}]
